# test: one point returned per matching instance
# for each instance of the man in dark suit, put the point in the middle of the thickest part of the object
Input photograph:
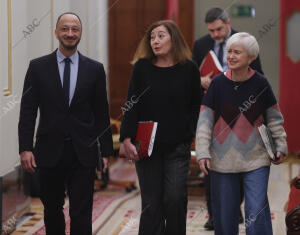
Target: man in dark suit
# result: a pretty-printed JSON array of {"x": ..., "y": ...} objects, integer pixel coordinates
[
  {"x": 219, "y": 27},
  {"x": 69, "y": 90}
]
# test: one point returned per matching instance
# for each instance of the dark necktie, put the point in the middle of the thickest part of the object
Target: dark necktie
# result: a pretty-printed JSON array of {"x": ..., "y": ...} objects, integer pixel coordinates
[
  {"x": 66, "y": 82},
  {"x": 220, "y": 54}
]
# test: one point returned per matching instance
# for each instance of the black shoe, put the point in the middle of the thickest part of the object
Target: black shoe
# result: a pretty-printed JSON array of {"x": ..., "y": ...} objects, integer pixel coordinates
[
  {"x": 209, "y": 225},
  {"x": 241, "y": 219}
]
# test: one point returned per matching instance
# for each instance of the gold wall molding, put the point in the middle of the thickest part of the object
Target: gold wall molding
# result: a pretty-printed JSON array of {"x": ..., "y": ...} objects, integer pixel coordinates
[
  {"x": 52, "y": 23},
  {"x": 8, "y": 90}
]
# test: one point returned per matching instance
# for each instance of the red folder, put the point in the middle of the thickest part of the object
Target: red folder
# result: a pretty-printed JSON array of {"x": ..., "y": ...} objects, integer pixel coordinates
[
  {"x": 210, "y": 63},
  {"x": 144, "y": 140},
  {"x": 145, "y": 137}
]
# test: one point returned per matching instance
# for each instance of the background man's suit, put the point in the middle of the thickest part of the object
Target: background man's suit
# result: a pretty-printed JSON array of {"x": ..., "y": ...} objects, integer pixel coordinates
[
  {"x": 65, "y": 147},
  {"x": 204, "y": 44}
]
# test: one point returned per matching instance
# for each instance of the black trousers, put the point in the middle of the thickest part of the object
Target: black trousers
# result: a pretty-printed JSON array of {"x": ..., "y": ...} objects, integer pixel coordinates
[
  {"x": 78, "y": 181},
  {"x": 163, "y": 183}
]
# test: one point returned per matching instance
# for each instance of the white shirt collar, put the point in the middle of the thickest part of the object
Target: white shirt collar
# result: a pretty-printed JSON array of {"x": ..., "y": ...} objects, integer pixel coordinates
[{"x": 61, "y": 57}]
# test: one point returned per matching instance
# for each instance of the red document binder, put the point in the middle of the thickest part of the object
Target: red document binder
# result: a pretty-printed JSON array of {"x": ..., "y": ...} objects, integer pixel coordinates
[
  {"x": 145, "y": 137},
  {"x": 210, "y": 63},
  {"x": 144, "y": 140}
]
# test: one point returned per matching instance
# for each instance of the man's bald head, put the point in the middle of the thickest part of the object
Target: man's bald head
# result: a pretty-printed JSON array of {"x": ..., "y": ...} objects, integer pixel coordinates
[{"x": 68, "y": 13}]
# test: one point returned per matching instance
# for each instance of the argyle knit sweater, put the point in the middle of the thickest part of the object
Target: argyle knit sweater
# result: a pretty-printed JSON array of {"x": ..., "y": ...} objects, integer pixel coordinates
[{"x": 227, "y": 130}]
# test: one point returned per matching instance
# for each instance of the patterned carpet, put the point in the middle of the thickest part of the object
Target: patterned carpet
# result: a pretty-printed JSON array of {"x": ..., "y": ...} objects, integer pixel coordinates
[
  {"x": 105, "y": 204},
  {"x": 117, "y": 212},
  {"x": 125, "y": 221}
]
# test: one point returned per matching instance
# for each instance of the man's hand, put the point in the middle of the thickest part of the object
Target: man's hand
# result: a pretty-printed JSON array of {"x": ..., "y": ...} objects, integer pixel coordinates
[
  {"x": 122, "y": 152},
  {"x": 105, "y": 164},
  {"x": 28, "y": 161},
  {"x": 206, "y": 80},
  {"x": 279, "y": 158},
  {"x": 204, "y": 164},
  {"x": 129, "y": 149}
]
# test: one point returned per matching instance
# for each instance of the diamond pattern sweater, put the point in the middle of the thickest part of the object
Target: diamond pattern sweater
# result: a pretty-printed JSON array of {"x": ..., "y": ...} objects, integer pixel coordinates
[{"x": 227, "y": 130}]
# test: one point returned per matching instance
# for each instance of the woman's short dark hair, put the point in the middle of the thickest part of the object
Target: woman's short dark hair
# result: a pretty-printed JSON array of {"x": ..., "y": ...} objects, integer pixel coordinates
[
  {"x": 180, "y": 48},
  {"x": 216, "y": 13}
]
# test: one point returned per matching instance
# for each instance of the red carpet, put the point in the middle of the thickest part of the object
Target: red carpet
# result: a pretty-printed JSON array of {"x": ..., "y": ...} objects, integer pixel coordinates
[{"x": 105, "y": 203}]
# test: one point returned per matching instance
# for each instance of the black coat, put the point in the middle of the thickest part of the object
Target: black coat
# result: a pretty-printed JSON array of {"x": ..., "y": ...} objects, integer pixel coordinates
[
  {"x": 204, "y": 44},
  {"x": 86, "y": 118}
]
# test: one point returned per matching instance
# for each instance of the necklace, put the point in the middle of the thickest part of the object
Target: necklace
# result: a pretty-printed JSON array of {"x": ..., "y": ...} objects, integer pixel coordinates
[{"x": 236, "y": 85}]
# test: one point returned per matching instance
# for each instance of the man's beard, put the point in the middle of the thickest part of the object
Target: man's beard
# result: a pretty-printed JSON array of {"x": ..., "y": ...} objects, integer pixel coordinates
[
  {"x": 69, "y": 47},
  {"x": 220, "y": 40}
]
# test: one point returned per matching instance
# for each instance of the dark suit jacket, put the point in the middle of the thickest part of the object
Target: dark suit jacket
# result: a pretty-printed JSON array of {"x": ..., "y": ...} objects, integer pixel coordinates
[
  {"x": 204, "y": 44},
  {"x": 86, "y": 118}
]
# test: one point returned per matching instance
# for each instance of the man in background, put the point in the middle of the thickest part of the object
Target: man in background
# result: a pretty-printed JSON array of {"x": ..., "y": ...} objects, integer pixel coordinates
[{"x": 219, "y": 28}]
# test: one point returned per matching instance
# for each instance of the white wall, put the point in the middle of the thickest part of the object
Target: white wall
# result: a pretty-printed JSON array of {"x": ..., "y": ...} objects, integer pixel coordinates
[
  {"x": 94, "y": 15},
  {"x": 33, "y": 36}
]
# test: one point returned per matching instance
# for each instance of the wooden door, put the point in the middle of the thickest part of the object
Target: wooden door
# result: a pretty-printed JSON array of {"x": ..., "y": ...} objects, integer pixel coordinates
[{"x": 128, "y": 21}]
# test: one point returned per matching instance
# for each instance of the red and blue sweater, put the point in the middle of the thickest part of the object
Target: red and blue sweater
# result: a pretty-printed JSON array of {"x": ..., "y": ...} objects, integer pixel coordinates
[{"x": 227, "y": 127}]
